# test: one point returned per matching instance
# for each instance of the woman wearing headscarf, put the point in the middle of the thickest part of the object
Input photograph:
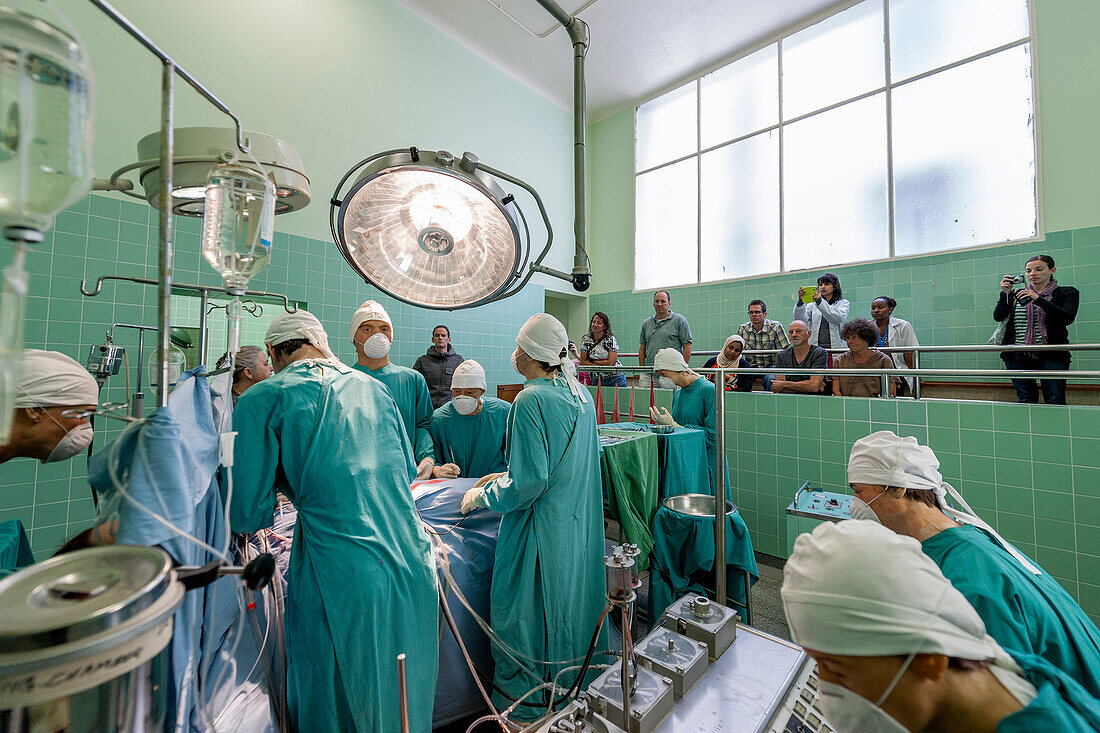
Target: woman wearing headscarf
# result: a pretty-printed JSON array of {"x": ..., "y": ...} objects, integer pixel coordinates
[
  {"x": 899, "y": 649},
  {"x": 1037, "y": 314},
  {"x": 361, "y": 588},
  {"x": 548, "y": 578},
  {"x": 729, "y": 358},
  {"x": 897, "y": 482},
  {"x": 692, "y": 405}
]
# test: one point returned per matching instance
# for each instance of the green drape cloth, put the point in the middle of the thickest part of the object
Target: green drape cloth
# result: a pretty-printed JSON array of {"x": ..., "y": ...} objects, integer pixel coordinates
[
  {"x": 681, "y": 459},
  {"x": 629, "y": 473}
]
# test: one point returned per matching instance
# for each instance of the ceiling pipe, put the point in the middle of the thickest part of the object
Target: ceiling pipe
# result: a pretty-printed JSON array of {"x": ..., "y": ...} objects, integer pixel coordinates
[{"x": 578, "y": 36}]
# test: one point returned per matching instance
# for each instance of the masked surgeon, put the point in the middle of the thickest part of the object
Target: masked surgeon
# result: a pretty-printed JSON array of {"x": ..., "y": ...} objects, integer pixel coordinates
[
  {"x": 897, "y": 482},
  {"x": 361, "y": 587},
  {"x": 468, "y": 431},
  {"x": 372, "y": 334},
  {"x": 50, "y": 384},
  {"x": 548, "y": 578},
  {"x": 899, "y": 649}
]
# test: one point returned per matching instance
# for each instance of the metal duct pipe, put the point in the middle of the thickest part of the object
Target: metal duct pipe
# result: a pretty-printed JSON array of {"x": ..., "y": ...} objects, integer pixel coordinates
[{"x": 578, "y": 36}]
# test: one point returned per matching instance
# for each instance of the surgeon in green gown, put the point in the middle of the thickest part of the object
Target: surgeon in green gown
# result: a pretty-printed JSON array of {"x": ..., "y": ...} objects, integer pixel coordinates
[
  {"x": 548, "y": 578},
  {"x": 361, "y": 586},
  {"x": 1023, "y": 607},
  {"x": 372, "y": 334},
  {"x": 692, "y": 406},
  {"x": 468, "y": 431}
]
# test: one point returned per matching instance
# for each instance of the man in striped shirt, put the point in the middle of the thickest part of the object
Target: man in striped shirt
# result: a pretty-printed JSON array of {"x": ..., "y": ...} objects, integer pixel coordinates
[{"x": 762, "y": 333}]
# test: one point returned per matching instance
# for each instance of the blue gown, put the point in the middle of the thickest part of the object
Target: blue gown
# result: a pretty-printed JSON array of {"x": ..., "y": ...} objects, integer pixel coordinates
[
  {"x": 414, "y": 402},
  {"x": 361, "y": 586},
  {"x": 475, "y": 443},
  {"x": 1062, "y": 705},
  {"x": 548, "y": 578},
  {"x": 693, "y": 407},
  {"x": 1022, "y": 611}
]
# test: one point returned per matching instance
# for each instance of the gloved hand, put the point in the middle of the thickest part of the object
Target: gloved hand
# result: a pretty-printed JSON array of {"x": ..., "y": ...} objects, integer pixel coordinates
[
  {"x": 661, "y": 416},
  {"x": 473, "y": 499},
  {"x": 486, "y": 479},
  {"x": 424, "y": 469},
  {"x": 447, "y": 470}
]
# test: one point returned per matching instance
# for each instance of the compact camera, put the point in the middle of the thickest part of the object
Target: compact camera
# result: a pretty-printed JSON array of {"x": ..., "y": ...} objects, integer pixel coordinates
[{"x": 1016, "y": 279}]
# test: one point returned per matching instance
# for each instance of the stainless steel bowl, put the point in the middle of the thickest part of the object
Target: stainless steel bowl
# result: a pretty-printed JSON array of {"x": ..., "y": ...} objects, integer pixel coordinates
[{"x": 695, "y": 505}]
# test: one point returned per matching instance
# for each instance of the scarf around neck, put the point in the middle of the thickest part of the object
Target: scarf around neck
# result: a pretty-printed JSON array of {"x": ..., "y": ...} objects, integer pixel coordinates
[{"x": 1036, "y": 316}]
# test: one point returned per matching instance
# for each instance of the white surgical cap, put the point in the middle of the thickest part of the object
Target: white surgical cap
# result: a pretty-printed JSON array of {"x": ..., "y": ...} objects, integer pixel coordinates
[
  {"x": 722, "y": 360},
  {"x": 301, "y": 324},
  {"x": 469, "y": 375},
  {"x": 855, "y": 588},
  {"x": 670, "y": 360},
  {"x": 371, "y": 310},
  {"x": 886, "y": 459},
  {"x": 49, "y": 379},
  {"x": 543, "y": 338}
]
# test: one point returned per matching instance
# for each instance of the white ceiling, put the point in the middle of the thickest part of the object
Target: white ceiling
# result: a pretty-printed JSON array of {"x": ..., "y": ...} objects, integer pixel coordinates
[{"x": 638, "y": 47}]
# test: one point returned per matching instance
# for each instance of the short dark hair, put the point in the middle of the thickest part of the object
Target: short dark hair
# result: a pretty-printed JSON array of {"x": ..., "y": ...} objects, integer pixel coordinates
[
  {"x": 667, "y": 294},
  {"x": 861, "y": 328},
  {"x": 287, "y": 348},
  {"x": 444, "y": 328},
  {"x": 889, "y": 301},
  {"x": 1044, "y": 258},
  {"x": 760, "y": 303},
  {"x": 833, "y": 280},
  {"x": 922, "y": 496}
]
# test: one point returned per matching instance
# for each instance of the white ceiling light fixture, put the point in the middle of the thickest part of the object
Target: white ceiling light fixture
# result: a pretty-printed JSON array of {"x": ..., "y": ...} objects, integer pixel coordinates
[
  {"x": 434, "y": 231},
  {"x": 196, "y": 151}
]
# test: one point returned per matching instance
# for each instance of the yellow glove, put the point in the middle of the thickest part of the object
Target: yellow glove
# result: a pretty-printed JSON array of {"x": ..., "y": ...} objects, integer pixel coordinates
[{"x": 473, "y": 499}]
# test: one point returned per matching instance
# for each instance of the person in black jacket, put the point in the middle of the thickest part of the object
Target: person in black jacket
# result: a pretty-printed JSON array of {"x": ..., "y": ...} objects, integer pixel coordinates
[
  {"x": 438, "y": 366},
  {"x": 1037, "y": 314}
]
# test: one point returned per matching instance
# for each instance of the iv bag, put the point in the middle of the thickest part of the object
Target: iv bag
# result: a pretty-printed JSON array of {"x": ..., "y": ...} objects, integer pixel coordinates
[{"x": 238, "y": 223}]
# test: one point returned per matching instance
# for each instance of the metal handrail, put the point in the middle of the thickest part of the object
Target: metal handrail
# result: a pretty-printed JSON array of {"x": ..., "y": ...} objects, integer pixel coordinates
[{"x": 965, "y": 348}]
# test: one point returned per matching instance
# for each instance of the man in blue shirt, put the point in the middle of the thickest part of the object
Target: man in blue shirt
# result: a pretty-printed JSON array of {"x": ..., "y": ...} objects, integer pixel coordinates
[{"x": 663, "y": 330}]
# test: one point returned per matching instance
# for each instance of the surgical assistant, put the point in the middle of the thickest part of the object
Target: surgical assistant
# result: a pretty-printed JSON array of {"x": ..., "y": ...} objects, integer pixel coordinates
[
  {"x": 548, "y": 579},
  {"x": 361, "y": 586},
  {"x": 468, "y": 430}
]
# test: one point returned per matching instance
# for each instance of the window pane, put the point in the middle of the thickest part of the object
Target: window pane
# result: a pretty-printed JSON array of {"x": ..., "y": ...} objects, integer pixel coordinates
[
  {"x": 740, "y": 208},
  {"x": 839, "y": 58},
  {"x": 964, "y": 156},
  {"x": 667, "y": 128},
  {"x": 834, "y": 186},
  {"x": 666, "y": 220},
  {"x": 740, "y": 98},
  {"x": 927, "y": 34}
]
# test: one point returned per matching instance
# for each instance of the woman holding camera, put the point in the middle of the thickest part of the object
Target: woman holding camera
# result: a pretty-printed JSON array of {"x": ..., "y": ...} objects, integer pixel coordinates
[
  {"x": 825, "y": 313},
  {"x": 1037, "y": 314}
]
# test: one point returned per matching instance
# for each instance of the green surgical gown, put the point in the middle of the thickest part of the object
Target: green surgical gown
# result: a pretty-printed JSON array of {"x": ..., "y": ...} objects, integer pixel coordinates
[
  {"x": 475, "y": 443},
  {"x": 414, "y": 402},
  {"x": 1061, "y": 706},
  {"x": 361, "y": 586},
  {"x": 548, "y": 578},
  {"x": 693, "y": 407},
  {"x": 1022, "y": 611}
]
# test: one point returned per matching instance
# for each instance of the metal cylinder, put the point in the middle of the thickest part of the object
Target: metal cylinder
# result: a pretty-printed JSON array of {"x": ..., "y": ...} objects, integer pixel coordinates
[
  {"x": 720, "y": 488},
  {"x": 620, "y": 577}
]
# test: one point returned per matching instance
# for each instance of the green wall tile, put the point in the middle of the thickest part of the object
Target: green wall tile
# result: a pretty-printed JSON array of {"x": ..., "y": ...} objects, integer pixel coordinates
[
  {"x": 1054, "y": 505},
  {"x": 1051, "y": 448},
  {"x": 1053, "y": 477},
  {"x": 978, "y": 442},
  {"x": 1012, "y": 445},
  {"x": 1016, "y": 528},
  {"x": 1049, "y": 422}
]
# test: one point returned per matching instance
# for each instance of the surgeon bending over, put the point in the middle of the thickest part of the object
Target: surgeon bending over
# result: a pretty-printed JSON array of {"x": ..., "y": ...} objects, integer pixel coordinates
[
  {"x": 548, "y": 579},
  {"x": 899, "y": 649},
  {"x": 1023, "y": 608},
  {"x": 361, "y": 586},
  {"x": 50, "y": 384},
  {"x": 468, "y": 431}
]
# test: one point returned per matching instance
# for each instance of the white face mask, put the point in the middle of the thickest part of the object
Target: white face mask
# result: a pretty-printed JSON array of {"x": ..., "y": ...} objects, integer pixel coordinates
[
  {"x": 376, "y": 346},
  {"x": 72, "y": 443},
  {"x": 862, "y": 510},
  {"x": 848, "y": 712},
  {"x": 515, "y": 365},
  {"x": 465, "y": 405}
]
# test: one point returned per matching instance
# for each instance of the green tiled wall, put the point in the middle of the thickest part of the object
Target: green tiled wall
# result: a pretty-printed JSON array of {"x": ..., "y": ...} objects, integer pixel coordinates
[
  {"x": 103, "y": 235},
  {"x": 948, "y": 298}
]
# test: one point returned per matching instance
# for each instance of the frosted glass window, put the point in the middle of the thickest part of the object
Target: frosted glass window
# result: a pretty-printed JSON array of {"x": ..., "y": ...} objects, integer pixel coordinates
[
  {"x": 837, "y": 59},
  {"x": 666, "y": 221},
  {"x": 834, "y": 186},
  {"x": 666, "y": 128},
  {"x": 740, "y": 208},
  {"x": 964, "y": 156},
  {"x": 741, "y": 98},
  {"x": 927, "y": 34}
]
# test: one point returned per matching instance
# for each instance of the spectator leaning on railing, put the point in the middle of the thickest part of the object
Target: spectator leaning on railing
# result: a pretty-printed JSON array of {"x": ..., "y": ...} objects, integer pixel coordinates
[
  {"x": 761, "y": 334},
  {"x": 894, "y": 332},
  {"x": 861, "y": 335},
  {"x": 801, "y": 354}
]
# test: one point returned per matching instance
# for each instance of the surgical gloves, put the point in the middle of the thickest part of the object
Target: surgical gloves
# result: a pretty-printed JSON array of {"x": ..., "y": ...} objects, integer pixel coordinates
[
  {"x": 424, "y": 469},
  {"x": 662, "y": 416},
  {"x": 473, "y": 499}
]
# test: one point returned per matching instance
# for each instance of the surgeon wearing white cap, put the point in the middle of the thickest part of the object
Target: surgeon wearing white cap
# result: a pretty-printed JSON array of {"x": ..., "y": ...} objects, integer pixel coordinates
[
  {"x": 899, "y": 649},
  {"x": 372, "y": 334},
  {"x": 361, "y": 585},
  {"x": 548, "y": 579},
  {"x": 692, "y": 405},
  {"x": 468, "y": 431},
  {"x": 50, "y": 385},
  {"x": 897, "y": 482}
]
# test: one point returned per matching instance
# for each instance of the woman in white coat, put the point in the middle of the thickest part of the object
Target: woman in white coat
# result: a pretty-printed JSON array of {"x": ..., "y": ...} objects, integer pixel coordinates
[
  {"x": 894, "y": 332},
  {"x": 826, "y": 313}
]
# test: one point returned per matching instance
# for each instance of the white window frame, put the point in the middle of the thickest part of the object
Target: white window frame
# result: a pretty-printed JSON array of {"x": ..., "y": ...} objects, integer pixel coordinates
[{"x": 778, "y": 38}]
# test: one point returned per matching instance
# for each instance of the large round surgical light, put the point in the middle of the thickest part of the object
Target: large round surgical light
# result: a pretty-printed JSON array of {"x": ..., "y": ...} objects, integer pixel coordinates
[{"x": 430, "y": 230}]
